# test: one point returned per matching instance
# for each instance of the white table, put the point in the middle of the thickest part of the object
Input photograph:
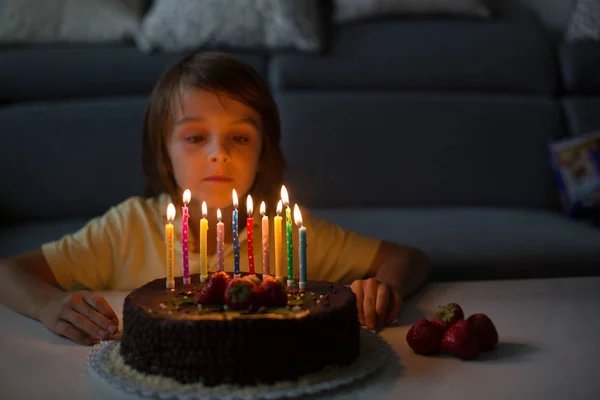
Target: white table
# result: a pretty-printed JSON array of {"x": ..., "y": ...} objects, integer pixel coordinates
[{"x": 549, "y": 333}]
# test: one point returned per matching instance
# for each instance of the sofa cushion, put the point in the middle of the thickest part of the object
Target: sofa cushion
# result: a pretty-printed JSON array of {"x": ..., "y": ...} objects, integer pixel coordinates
[
  {"x": 584, "y": 23},
  {"x": 504, "y": 55},
  {"x": 265, "y": 25},
  {"x": 480, "y": 243},
  {"x": 27, "y": 21},
  {"x": 61, "y": 71},
  {"x": 418, "y": 149},
  {"x": 27, "y": 236},
  {"x": 580, "y": 66},
  {"x": 583, "y": 113},
  {"x": 69, "y": 159}
]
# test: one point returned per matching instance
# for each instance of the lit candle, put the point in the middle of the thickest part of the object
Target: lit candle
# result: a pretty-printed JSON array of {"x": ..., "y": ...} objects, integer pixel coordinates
[
  {"x": 301, "y": 245},
  {"x": 288, "y": 231},
  {"x": 220, "y": 242},
  {"x": 278, "y": 222},
  {"x": 236, "y": 239},
  {"x": 170, "y": 246},
  {"x": 203, "y": 250},
  {"x": 250, "y": 233},
  {"x": 265, "y": 241},
  {"x": 187, "y": 196}
]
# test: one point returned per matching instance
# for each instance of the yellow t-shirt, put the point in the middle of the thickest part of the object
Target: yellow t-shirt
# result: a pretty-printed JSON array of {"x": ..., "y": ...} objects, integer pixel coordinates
[{"x": 125, "y": 248}]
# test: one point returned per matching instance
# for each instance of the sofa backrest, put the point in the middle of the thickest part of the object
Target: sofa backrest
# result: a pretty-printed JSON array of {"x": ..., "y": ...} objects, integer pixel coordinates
[{"x": 70, "y": 126}]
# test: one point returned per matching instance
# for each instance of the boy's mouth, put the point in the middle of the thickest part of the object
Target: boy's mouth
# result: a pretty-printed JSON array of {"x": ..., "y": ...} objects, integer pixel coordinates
[{"x": 217, "y": 178}]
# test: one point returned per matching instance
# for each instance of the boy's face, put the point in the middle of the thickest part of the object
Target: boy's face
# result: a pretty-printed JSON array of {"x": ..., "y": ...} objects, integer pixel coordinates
[{"x": 214, "y": 146}]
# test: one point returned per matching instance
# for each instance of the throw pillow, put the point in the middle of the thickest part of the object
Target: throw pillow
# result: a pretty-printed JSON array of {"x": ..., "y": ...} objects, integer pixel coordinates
[
  {"x": 576, "y": 165},
  {"x": 584, "y": 23},
  {"x": 351, "y": 10},
  {"x": 178, "y": 25},
  {"x": 34, "y": 21}
]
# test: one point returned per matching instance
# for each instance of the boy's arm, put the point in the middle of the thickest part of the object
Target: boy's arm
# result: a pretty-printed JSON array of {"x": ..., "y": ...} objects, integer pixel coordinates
[
  {"x": 27, "y": 283},
  {"x": 28, "y": 286},
  {"x": 395, "y": 273},
  {"x": 404, "y": 269}
]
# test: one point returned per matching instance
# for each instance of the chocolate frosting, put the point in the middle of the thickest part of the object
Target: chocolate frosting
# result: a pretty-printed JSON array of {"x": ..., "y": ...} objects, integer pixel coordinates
[{"x": 165, "y": 333}]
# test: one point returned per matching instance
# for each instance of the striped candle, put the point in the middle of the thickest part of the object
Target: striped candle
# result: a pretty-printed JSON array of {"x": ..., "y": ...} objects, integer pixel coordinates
[{"x": 265, "y": 241}]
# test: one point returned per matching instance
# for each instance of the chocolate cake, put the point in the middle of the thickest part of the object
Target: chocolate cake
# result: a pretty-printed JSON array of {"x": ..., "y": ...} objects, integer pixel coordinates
[{"x": 166, "y": 333}]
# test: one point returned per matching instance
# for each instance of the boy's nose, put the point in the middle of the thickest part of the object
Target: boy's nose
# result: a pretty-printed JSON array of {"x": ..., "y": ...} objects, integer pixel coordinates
[
  {"x": 220, "y": 157},
  {"x": 219, "y": 154}
]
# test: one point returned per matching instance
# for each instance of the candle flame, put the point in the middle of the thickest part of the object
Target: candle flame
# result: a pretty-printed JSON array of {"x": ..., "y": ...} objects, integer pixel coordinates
[
  {"x": 170, "y": 212},
  {"x": 297, "y": 215},
  {"x": 187, "y": 196},
  {"x": 204, "y": 212},
  {"x": 249, "y": 205},
  {"x": 263, "y": 208},
  {"x": 235, "y": 199},
  {"x": 219, "y": 216},
  {"x": 284, "y": 196},
  {"x": 279, "y": 208}
]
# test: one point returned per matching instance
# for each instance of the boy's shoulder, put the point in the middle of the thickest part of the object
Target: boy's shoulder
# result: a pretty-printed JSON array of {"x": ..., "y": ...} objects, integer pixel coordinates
[{"x": 141, "y": 206}]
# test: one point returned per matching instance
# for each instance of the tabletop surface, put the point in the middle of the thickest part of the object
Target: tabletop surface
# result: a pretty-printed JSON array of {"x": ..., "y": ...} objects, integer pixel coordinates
[{"x": 549, "y": 348}]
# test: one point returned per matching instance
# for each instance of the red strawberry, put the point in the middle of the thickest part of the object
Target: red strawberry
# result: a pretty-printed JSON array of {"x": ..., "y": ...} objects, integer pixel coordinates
[
  {"x": 272, "y": 293},
  {"x": 486, "y": 331},
  {"x": 448, "y": 315},
  {"x": 461, "y": 340},
  {"x": 424, "y": 337},
  {"x": 240, "y": 294},
  {"x": 214, "y": 291}
]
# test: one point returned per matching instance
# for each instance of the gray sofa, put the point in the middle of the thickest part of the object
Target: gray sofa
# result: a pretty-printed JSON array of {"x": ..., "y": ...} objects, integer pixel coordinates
[{"x": 430, "y": 132}]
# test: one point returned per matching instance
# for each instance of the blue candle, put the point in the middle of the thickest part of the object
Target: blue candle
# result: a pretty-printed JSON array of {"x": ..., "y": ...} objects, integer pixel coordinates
[
  {"x": 301, "y": 245},
  {"x": 236, "y": 239}
]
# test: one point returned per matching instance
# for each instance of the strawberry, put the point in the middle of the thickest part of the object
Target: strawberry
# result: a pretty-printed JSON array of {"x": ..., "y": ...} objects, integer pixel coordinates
[
  {"x": 241, "y": 294},
  {"x": 461, "y": 340},
  {"x": 272, "y": 293},
  {"x": 424, "y": 337},
  {"x": 214, "y": 291},
  {"x": 486, "y": 331},
  {"x": 448, "y": 315}
]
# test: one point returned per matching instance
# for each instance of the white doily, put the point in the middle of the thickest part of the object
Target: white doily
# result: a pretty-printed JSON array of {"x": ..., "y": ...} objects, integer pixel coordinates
[{"x": 105, "y": 363}]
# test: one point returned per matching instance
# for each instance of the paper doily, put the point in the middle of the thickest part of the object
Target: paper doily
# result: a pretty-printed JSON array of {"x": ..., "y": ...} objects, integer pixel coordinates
[{"x": 105, "y": 363}]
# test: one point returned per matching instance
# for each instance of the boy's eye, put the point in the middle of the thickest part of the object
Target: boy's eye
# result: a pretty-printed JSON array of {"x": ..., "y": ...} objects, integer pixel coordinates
[
  {"x": 241, "y": 139},
  {"x": 195, "y": 138}
]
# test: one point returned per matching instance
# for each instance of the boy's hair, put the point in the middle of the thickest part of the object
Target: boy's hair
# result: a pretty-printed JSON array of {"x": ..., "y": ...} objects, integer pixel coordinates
[{"x": 221, "y": 74}]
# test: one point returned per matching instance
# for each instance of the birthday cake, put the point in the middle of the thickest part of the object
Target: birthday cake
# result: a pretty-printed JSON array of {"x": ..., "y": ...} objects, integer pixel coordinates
[{"x": 238, "y": 331}]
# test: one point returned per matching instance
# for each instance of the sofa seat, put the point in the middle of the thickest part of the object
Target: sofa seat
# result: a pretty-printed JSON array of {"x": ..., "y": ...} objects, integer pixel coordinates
[
  {"x": 462, "y": 243},
  {"x": 483, "y": 243}
]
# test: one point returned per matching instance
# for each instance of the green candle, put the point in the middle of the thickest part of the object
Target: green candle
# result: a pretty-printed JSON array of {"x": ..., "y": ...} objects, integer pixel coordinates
[{"x": 288, "y": 229}]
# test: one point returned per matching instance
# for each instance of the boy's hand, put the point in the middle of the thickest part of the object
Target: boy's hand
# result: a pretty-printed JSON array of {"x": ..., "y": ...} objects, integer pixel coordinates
[
  {"x": 81, "y": 316},
  {"x": 378, "y": 305}
]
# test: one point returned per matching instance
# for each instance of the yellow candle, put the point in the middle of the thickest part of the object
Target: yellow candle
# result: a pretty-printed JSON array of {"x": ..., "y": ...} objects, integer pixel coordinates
[
  {"x": 170, "y": 247},
  {"x": 203, "y": 250},
  {"x": 278, "y": 224}
]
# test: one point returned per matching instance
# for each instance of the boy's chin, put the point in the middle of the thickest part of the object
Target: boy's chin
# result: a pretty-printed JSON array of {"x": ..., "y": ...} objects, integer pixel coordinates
[
  {"x": 214, "y": 200},
  {"x": 220, "y": 197}
]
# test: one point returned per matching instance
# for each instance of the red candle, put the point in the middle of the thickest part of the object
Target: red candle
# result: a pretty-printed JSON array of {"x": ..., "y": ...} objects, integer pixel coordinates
[{"x": 250, "y": 232}]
